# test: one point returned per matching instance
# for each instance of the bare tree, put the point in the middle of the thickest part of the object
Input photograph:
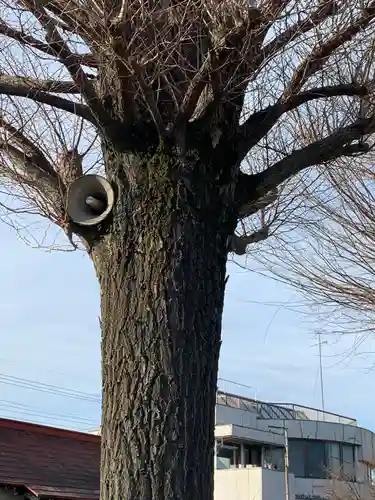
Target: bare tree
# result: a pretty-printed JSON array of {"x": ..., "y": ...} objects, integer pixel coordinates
[
  {"x": 330, "y": 255},
  {"x": 342, "y": 488},
  {"x": 170, "y": 97}
]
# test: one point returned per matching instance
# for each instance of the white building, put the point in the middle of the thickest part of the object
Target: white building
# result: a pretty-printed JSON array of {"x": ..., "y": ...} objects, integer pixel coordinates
[{"x": 329, "y": 455}]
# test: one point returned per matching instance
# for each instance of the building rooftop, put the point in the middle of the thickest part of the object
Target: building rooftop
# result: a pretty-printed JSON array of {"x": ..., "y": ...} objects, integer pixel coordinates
[
  {"x": 283, "y": 411},
  {"x": 49, "y": 462}
]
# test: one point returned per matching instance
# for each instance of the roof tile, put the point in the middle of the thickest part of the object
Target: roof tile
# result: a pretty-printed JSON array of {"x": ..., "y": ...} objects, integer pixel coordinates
[{"x": 63, "y": 463}]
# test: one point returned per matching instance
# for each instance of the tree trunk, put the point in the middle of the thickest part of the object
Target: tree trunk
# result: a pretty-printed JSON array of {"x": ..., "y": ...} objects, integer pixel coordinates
[{"x": 161, "y": 269}]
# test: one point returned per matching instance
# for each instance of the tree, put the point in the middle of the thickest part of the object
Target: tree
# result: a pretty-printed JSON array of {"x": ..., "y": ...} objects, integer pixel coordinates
[
  {"x": 331, "y": 259},
  {"x": 330, "y": 256},
  {"x": 175, "y": 95},
  {"x": 342, "y": 488}
]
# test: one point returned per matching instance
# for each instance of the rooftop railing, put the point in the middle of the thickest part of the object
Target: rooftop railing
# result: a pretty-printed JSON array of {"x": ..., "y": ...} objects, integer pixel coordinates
[{"x": 283, "y": 411}]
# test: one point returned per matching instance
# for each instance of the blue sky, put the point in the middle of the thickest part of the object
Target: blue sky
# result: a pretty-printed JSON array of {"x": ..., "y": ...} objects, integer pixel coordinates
[{"x": 50, "y": 335}]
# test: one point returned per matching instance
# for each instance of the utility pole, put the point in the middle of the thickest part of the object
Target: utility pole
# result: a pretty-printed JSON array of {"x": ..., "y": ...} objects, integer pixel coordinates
[
  {"x": 286, "y": 465},
  {"x": 286, "y": 458}
]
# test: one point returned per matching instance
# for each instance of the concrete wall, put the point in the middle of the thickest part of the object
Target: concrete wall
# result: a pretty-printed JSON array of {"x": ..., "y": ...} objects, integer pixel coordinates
[
  {"x": 236, "y": 484},
  {"x": 274, "y": 485},
  {"x": 251, "y": 484},
  {"x": 248, "y": 434},
  {"x": 264, "y": 484}
]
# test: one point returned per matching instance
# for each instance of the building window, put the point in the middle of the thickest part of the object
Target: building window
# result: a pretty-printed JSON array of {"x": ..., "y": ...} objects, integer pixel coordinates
[
  {"x": 228, "y": 455},
  {"x": 253, "y": 455},
  {"x": 315, "y": 464},
  {"x": 274, "y": 458},
  {"x": 334, "y": 460},
  {"x": 297, "y": 457},
  {"x": 320, "y": 460},
  {"x": 348, "y": 462}
]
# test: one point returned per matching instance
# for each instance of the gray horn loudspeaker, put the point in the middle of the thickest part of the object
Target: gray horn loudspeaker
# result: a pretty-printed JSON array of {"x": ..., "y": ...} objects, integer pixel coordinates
[{"x": 90, "y": 200}]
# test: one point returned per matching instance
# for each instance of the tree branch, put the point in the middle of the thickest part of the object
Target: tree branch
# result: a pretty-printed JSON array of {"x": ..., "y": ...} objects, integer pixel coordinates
[
  {"x": 343, "y": 89},
  {"x": 31, "y": 150},
  {"x": 149, "y": 98},
  {"x": 252, "y": 187},
  {"x": 240, "y": 243},
  {"x": 62, "y": 52},
  {"x": 64, "y": 55},
  {"x": 29, "y": 41},
  {"x": 36, "y": 95},
  {"x": 318, "y": 57},
  {"x": 32, "y": 173},
  {"x": 77, "y": 19},
  {"x": 274, "y": 7},
  {"x": 261, "y": 122},
  {"x": 323, "y": 12},
  {"x": 31, "y": 168},
  {"x": 57, "y": 87}
]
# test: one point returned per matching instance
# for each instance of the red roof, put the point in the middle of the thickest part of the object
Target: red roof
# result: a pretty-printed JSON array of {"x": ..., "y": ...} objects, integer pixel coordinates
[{"x": 49, "y": 462}]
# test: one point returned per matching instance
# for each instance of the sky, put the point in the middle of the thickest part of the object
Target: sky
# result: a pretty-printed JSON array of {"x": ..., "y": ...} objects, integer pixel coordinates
[{"x": 50, "y": 342}]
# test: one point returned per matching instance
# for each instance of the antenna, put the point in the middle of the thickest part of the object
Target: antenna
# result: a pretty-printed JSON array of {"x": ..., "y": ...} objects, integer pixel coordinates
[
  {"x": 319, "y": 344},
  {"x": 321, "y": 371}
]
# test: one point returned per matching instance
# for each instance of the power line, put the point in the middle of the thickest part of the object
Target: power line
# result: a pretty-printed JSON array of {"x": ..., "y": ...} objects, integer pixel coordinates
[
  {"x": 12, "y": 412},
  {"x": 48, "y": 388},
  {"x": 14, "y": 407}
]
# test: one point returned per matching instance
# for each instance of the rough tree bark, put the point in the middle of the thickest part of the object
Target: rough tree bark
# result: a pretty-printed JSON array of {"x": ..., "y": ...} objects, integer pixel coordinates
[{"x": 161, "y": 327}]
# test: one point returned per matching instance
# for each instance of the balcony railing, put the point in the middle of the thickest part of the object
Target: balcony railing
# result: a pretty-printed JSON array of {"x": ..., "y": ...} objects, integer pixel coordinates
[{"x": 283, "y": 411}]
